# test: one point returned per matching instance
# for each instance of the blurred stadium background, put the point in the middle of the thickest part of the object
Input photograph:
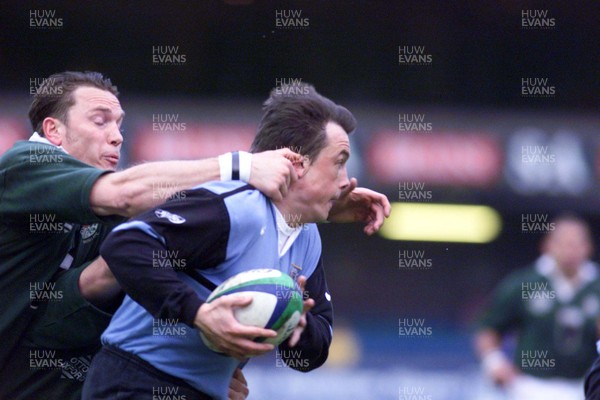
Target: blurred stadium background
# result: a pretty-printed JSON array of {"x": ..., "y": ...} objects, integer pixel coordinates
[{"x": 477, "y": 140}]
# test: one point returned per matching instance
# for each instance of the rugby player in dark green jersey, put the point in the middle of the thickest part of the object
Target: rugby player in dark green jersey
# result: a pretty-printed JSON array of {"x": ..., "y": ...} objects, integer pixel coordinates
[
  {"x": 553, "y": 309},
  {"x": 59, "y": 197}
]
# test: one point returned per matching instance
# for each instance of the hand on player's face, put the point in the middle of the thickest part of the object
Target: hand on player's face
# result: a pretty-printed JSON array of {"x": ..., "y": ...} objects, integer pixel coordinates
[
  {"x": 308, "y": 304},
  {"x": 357, "y": 204},
  {"x": 217, "y": 322},
  {"x": 273, "y": 172}
]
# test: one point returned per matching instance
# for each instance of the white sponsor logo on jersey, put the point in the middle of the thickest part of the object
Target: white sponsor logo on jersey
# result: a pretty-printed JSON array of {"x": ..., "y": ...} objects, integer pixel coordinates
[{"x": 174, "y": 218}]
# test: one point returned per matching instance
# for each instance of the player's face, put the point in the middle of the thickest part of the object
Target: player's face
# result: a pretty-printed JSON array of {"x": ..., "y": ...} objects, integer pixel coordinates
[
  {"x": 325, "y": 177},
  {"x": 570, "y": 246},
  {"x": 92, "y": 130}
]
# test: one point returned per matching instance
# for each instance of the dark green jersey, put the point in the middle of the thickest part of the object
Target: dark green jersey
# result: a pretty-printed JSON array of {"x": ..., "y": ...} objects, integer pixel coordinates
[
  {"x": 45, "y": 222},
  {"x": 555, "y": 323}
]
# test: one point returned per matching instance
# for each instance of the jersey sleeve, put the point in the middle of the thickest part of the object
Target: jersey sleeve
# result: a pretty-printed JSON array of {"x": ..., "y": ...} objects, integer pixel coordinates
[
  {"x": 316, "y": 338},
  {"x": 187, "y": 232},
  {"x": 505, "y": 311},
  {"x": 39, "y": 178}
]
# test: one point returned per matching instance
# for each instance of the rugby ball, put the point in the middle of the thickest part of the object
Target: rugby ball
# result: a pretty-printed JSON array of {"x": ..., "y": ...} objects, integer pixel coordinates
[{"x": 276, "y": 302}]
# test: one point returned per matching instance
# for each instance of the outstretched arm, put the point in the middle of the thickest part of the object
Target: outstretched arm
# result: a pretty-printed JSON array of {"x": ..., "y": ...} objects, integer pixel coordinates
[{"x": 144, "y": 186}]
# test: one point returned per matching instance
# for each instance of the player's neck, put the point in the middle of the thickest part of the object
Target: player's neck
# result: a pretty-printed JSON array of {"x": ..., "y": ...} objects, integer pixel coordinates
[{"x": 292, "y": 215}]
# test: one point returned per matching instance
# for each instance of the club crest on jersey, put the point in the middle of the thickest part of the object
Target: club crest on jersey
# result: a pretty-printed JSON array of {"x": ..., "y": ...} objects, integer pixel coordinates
[
  {"x": 173, "y": 218},
  {"x": 87, "y": 231},
  {"x": 295, "y": 271}
]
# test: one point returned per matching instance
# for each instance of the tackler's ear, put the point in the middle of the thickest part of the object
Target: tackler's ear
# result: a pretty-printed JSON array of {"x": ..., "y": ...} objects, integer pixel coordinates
[{"x": 53, "y": 130}]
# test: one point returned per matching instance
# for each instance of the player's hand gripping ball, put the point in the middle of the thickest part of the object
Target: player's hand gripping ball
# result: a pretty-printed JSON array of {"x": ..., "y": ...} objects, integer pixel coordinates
[{"x": 276, "y": 302}]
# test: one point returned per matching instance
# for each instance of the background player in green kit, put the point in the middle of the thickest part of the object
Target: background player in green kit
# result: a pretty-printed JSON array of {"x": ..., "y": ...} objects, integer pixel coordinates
[
  {"x": 59, "y": 197},
  {"x": 552, "y": 307}
]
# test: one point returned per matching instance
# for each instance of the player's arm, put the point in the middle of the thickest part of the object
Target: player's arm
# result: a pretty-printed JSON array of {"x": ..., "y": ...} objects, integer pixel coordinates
[
  {"x": 308, "y": 348},
  {"x": 98, "y": 285},
  {"x": 494, "y": 362},
  {"x": 131, "y": 250},
  {"x": 503, "y": 315},
  {"x": 361, "y": 205},
  {"x": 133, "y": 190}
]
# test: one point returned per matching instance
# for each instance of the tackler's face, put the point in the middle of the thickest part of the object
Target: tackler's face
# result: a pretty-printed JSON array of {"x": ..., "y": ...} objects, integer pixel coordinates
[
  {"x": 92, "y": 131},
  {"x": 323, "y": 179}
]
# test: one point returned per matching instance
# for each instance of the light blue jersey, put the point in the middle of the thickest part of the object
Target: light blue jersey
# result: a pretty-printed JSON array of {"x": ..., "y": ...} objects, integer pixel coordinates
[{"x": 247, "y": 237}]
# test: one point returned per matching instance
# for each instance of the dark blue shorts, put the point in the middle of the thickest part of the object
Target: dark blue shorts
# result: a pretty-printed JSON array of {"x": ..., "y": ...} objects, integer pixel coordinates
[{"x": 119, "y": 375}]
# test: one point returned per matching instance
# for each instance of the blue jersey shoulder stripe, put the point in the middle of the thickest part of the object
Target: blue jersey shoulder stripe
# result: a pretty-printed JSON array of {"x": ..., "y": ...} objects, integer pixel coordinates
[{"x": 141, "y": 226}]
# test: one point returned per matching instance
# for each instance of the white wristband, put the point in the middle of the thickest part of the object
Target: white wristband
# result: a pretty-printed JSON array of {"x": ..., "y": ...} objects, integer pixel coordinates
[
  {"x": 493, "y": 360},
  {"x": 225, "y": 166},
  {"x": 245, "y": 166}
]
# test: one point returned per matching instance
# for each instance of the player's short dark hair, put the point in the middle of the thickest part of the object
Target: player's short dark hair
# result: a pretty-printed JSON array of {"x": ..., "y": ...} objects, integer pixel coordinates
[
  {"x": 54, "y": 96},
  {"x": 295, "y": 117}
]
